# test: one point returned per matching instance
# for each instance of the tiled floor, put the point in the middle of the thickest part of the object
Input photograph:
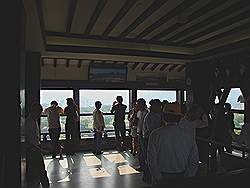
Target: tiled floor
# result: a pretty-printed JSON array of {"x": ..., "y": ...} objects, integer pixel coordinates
[{"x": 111, "y": 169}]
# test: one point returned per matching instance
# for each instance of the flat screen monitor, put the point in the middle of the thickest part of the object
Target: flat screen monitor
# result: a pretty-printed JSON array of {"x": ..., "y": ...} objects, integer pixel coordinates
[{"x": 107, "y": 72}]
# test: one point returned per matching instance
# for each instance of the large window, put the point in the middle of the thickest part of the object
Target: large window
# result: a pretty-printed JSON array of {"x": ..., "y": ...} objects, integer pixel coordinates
[
  {"x": 107, "y": 97},
  {"x": 185, "y": 96},
  {"x": 46, "y": 96},
  {"x": 235, "y": 99},
  {"x": 170, "y": 96}
]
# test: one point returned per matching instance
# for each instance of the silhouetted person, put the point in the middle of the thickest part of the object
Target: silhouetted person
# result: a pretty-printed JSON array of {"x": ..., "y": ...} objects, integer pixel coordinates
[
  {"x": 71, "y": 129},
  {"x": 119, "y": 110},
  {"x": 36, "y": 172},
  {"x": 244, "y": 137},
  {"x": 194, "y": 118},
  {"x": 220, "y": 135},
  {"x": 133, "y": 122},
  {"x": 229, "y": 115},
  {"x": 98, "y": 126},
  {"x": 53, "y": 115},
  {"x": 195, "y": 121},
  {"x": 140, "y": 115}
]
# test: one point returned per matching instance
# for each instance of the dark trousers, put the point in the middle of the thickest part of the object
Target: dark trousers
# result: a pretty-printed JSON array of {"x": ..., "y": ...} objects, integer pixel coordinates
[
  {"x": 36, "y": 172},
  {"x": 120, "y": 133},
  {"x": 141, "y": 152},
  {"x": 146, "y": 173},
  {"x": 54, "y": 134},
  {"x": 97, "y": 141},
  {"x": 172, "y": 180},
  {"x": 71, "y": 138},
  {"x": 214, "y": 160}
]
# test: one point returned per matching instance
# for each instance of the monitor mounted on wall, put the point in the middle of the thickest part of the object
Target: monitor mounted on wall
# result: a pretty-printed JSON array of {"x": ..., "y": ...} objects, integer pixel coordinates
[{"x": 107, "y": 72}]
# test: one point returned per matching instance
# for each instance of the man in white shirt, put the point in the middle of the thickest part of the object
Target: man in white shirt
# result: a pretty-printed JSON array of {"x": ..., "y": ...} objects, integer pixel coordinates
[
  {"x": 53, "y": 114},
  {"x": 172, "y": 151},
  {"x": 153, "y": 120},
  {"x": 36, "y": 172}
]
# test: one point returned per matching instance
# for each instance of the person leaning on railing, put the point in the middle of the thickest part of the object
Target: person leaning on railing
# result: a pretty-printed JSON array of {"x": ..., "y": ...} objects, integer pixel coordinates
[{"x": 53, "y": 115}]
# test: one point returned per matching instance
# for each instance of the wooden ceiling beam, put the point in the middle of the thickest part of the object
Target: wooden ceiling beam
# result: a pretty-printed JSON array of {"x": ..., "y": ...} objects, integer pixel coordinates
[
  {"x": 67, "y": 62},
  {"x": 42, "y": 61},
  {"x": 155, "y": 65},
  {"x": 71, "y": 12},
  {"x": 98, "y": 9},
  {"x": 122, "y": 12},
  {"x": 41, "y": 20},
  {"x": 135, "y": 65},
  {"x": 79, "y": 64},
  {"x": 181, "y": 68},
  {"x": 173, "y": 67},
  {"x": 163, "y": 67},
  {"x": 234, "y": 17},
  {"x": 203, "y": 13},
  {"x": 144, "y": 66},
  {"x": 224, "y": 34},
  {"x": 180, "y": 8},
  {"x": 148, "y": 12},
  {"x": 54, "y": 62}
]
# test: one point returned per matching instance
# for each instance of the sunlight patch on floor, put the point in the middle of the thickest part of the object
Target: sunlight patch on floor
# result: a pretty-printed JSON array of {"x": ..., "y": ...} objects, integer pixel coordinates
[
  {"x": 126, "y": 169},
  {"x": 115, "y": 158},
  {"x": 237, "y": 153},
  {"x": 47, "y": 162},
  {"x": 99, "y": 172},
  {"x": 64, "y": 163},
  {"x": 88, "y": 154},
  {"x": 66, "y": 179},
  {"x": 92, "y": 160}
]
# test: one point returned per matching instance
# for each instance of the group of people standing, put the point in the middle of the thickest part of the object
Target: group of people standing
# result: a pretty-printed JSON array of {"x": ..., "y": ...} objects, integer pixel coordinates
[
  {"x": 36, "y": 172},
  {"x": 164, "y": 139},
  {"x": 53, "y": 113}
]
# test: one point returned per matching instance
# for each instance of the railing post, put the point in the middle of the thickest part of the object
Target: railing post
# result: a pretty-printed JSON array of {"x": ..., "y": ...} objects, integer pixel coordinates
[
  {"x": 243, "y": 154},
  {"x": 208, "y": 159}
]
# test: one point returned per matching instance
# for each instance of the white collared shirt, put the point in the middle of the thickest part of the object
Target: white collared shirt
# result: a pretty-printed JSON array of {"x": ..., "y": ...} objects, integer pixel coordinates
[{"x": 172, "y": 150}]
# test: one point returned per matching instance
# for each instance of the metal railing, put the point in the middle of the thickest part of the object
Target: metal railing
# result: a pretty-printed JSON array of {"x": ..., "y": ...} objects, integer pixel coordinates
[
  {"x": 89, "y": 131},
  {"x": 211, "y": 142}
]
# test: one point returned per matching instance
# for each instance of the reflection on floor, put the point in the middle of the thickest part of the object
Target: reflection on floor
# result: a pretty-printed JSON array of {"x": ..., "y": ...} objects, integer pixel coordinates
[{"x": 111, "y": 169}]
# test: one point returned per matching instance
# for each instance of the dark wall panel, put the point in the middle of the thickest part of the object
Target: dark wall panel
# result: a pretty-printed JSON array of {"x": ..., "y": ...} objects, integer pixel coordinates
[{"x": 32, "y": 79}]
